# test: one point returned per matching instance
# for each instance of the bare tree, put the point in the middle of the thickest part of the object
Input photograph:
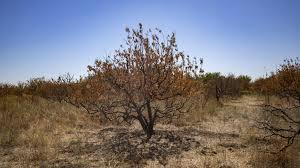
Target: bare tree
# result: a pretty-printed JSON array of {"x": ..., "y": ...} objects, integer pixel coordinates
[{"x": 146, "y": 80}]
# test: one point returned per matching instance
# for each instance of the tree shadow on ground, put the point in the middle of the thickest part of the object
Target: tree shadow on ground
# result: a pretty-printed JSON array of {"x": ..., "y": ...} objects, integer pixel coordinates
[{"x": 134, "y": 148}]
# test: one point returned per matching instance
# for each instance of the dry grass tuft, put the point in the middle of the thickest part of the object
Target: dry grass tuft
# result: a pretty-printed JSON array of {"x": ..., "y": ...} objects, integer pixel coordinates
[{"x": 29, "y": 127}]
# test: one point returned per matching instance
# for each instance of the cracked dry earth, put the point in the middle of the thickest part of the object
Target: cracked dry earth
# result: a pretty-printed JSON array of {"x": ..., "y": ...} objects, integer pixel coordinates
[{"x": 225, "y": 140}]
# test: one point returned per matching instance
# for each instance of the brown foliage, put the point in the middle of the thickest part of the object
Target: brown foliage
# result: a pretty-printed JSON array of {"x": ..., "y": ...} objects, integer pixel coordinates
[
  {"x": 282, "y": 120},
  {"x": 285, "y": 82},
  {"x": 60, "y": 89},
  {"x": 146, "y": 80}
]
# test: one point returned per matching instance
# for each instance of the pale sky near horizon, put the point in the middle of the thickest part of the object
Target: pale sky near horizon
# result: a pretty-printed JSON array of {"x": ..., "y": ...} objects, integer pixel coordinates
[{"x": 52, "y": 37}]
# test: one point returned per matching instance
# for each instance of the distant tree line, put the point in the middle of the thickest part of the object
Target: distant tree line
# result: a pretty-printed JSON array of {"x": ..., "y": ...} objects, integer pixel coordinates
[
  {"x": 218, "y": 86},
  {"x": 66, "y": 88}
]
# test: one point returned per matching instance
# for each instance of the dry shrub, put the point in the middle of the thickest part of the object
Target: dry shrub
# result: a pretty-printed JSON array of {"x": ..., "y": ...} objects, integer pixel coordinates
[
  {"x": 281, "y": 119},
  {"x": 146, "y": 80}
]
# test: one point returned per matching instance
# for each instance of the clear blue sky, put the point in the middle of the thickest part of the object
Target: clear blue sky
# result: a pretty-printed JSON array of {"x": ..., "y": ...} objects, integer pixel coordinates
[{"x": 51, "y": 37}]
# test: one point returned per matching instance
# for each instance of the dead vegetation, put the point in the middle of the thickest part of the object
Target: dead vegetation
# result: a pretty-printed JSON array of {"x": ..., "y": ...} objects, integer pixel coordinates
[
  {"x": 65, "y": 137},
  {"x": 31, "y": 128}
]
